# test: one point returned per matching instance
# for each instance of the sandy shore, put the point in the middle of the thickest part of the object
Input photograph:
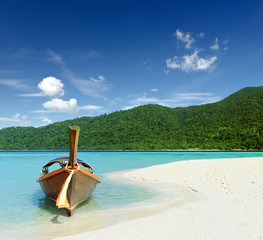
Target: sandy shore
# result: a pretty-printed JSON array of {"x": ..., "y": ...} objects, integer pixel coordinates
[{"x": 223, "y": 201}]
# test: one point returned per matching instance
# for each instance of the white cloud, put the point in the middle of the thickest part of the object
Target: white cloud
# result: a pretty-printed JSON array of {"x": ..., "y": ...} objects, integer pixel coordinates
[
  {"x": 71, "y": 106},
  {"x": 17, "y": 118},
  {"x": 46, "y": 120},
  {"x": 41, "y": 94},
  {"x": 171, "y": 63},
  {"x": 3, "y": 71},
  {"x": 93, "y": 87},
  {"x": 60, "y": 105},
  {"x": 191, "y": 62},
  {"x": 99, "y": 79},
  {"x": 166, "y": 70},
  {"x": 88, "y": 55},
  {"x": 136, "y": 100},
  {"x": 6, "y": 119},
  {"x": 154, "y": 90},
  {"x": 13, "y": 83},
  {"x": 201, "y": 35},
  {"x": 129, "y": 107},
  {"x": 40, "y": 111},
  {"x": 216, "y": 45},
  {"x": 115, "y": 101},
  {"x": 192, "y": 96},
  {"x": 54, "y": 57},
  {"x": 205, "y": 64},
  {"x": 179, "y": 99},
  {"x": 20, "y": 117},
  {"x": 90, "y": 107},
  {"x": 211, "y": 100},
  {"x": 51, "y": 87},
  {"x": 145, "y": 100},
  {"x": 194, "y": 61},
  {"x": 26, "y": 52},
  {"x": 225, "y": 42},
  {"x": 184, "y": 37}
]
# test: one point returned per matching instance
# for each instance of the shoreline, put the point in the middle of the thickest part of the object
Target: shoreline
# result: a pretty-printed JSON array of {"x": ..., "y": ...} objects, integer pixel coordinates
[
  {"x": 228, "y": 203},
  {"x": 165, "y": 150}
]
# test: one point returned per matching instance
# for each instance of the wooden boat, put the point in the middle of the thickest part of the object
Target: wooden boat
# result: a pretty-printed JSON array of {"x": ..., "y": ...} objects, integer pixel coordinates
[{"x": 71, "y": 184}]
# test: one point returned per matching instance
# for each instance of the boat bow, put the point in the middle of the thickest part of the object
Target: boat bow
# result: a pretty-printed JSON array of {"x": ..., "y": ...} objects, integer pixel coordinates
[{"x": 71, "y": 184}]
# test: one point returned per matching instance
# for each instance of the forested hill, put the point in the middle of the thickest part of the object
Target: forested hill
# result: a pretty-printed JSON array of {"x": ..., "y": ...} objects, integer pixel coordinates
[{"x": 233, "y": 123}]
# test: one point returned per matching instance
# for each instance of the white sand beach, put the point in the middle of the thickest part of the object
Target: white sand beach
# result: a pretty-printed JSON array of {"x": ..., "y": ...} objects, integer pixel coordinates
[{"x": 223, "y": 201}]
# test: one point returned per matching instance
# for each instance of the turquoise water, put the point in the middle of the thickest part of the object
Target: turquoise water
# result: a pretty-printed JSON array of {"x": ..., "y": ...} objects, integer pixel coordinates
[{"x": 24, "y": 204}]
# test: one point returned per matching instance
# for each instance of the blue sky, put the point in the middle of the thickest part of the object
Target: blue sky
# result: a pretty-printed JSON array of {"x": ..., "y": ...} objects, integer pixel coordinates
[{"x": 65, "y": 59}]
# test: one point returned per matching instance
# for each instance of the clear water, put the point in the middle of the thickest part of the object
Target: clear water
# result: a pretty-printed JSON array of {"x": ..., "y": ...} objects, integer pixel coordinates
[{"x": 23, "y": 204}]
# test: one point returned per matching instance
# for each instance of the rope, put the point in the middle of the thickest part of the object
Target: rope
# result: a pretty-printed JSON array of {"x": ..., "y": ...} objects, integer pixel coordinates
[{"x": 62, "y": 201}]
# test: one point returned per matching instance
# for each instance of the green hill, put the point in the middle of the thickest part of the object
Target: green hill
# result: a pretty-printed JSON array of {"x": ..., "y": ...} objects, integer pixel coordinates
[{"x": 233, "y": 123}]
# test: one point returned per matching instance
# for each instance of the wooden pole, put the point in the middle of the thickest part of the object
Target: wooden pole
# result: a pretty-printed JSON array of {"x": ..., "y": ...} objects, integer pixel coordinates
[{"x": 73, "y": 145}]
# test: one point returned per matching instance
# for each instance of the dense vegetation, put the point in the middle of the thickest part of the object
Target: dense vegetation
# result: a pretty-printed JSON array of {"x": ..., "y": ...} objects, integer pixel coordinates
[{"x": 233, "y": 123}]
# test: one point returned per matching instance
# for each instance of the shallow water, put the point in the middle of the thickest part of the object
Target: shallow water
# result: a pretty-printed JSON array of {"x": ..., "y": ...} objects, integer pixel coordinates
[{"x": 24, "y": 205}]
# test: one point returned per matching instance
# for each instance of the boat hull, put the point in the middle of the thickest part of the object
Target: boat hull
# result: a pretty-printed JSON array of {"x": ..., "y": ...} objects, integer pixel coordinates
[{"x": 79, "y": 189}]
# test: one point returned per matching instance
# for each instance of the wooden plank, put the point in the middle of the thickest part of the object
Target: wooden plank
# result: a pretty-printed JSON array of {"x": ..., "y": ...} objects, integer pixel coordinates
[{"x": 73, "y": 145}]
